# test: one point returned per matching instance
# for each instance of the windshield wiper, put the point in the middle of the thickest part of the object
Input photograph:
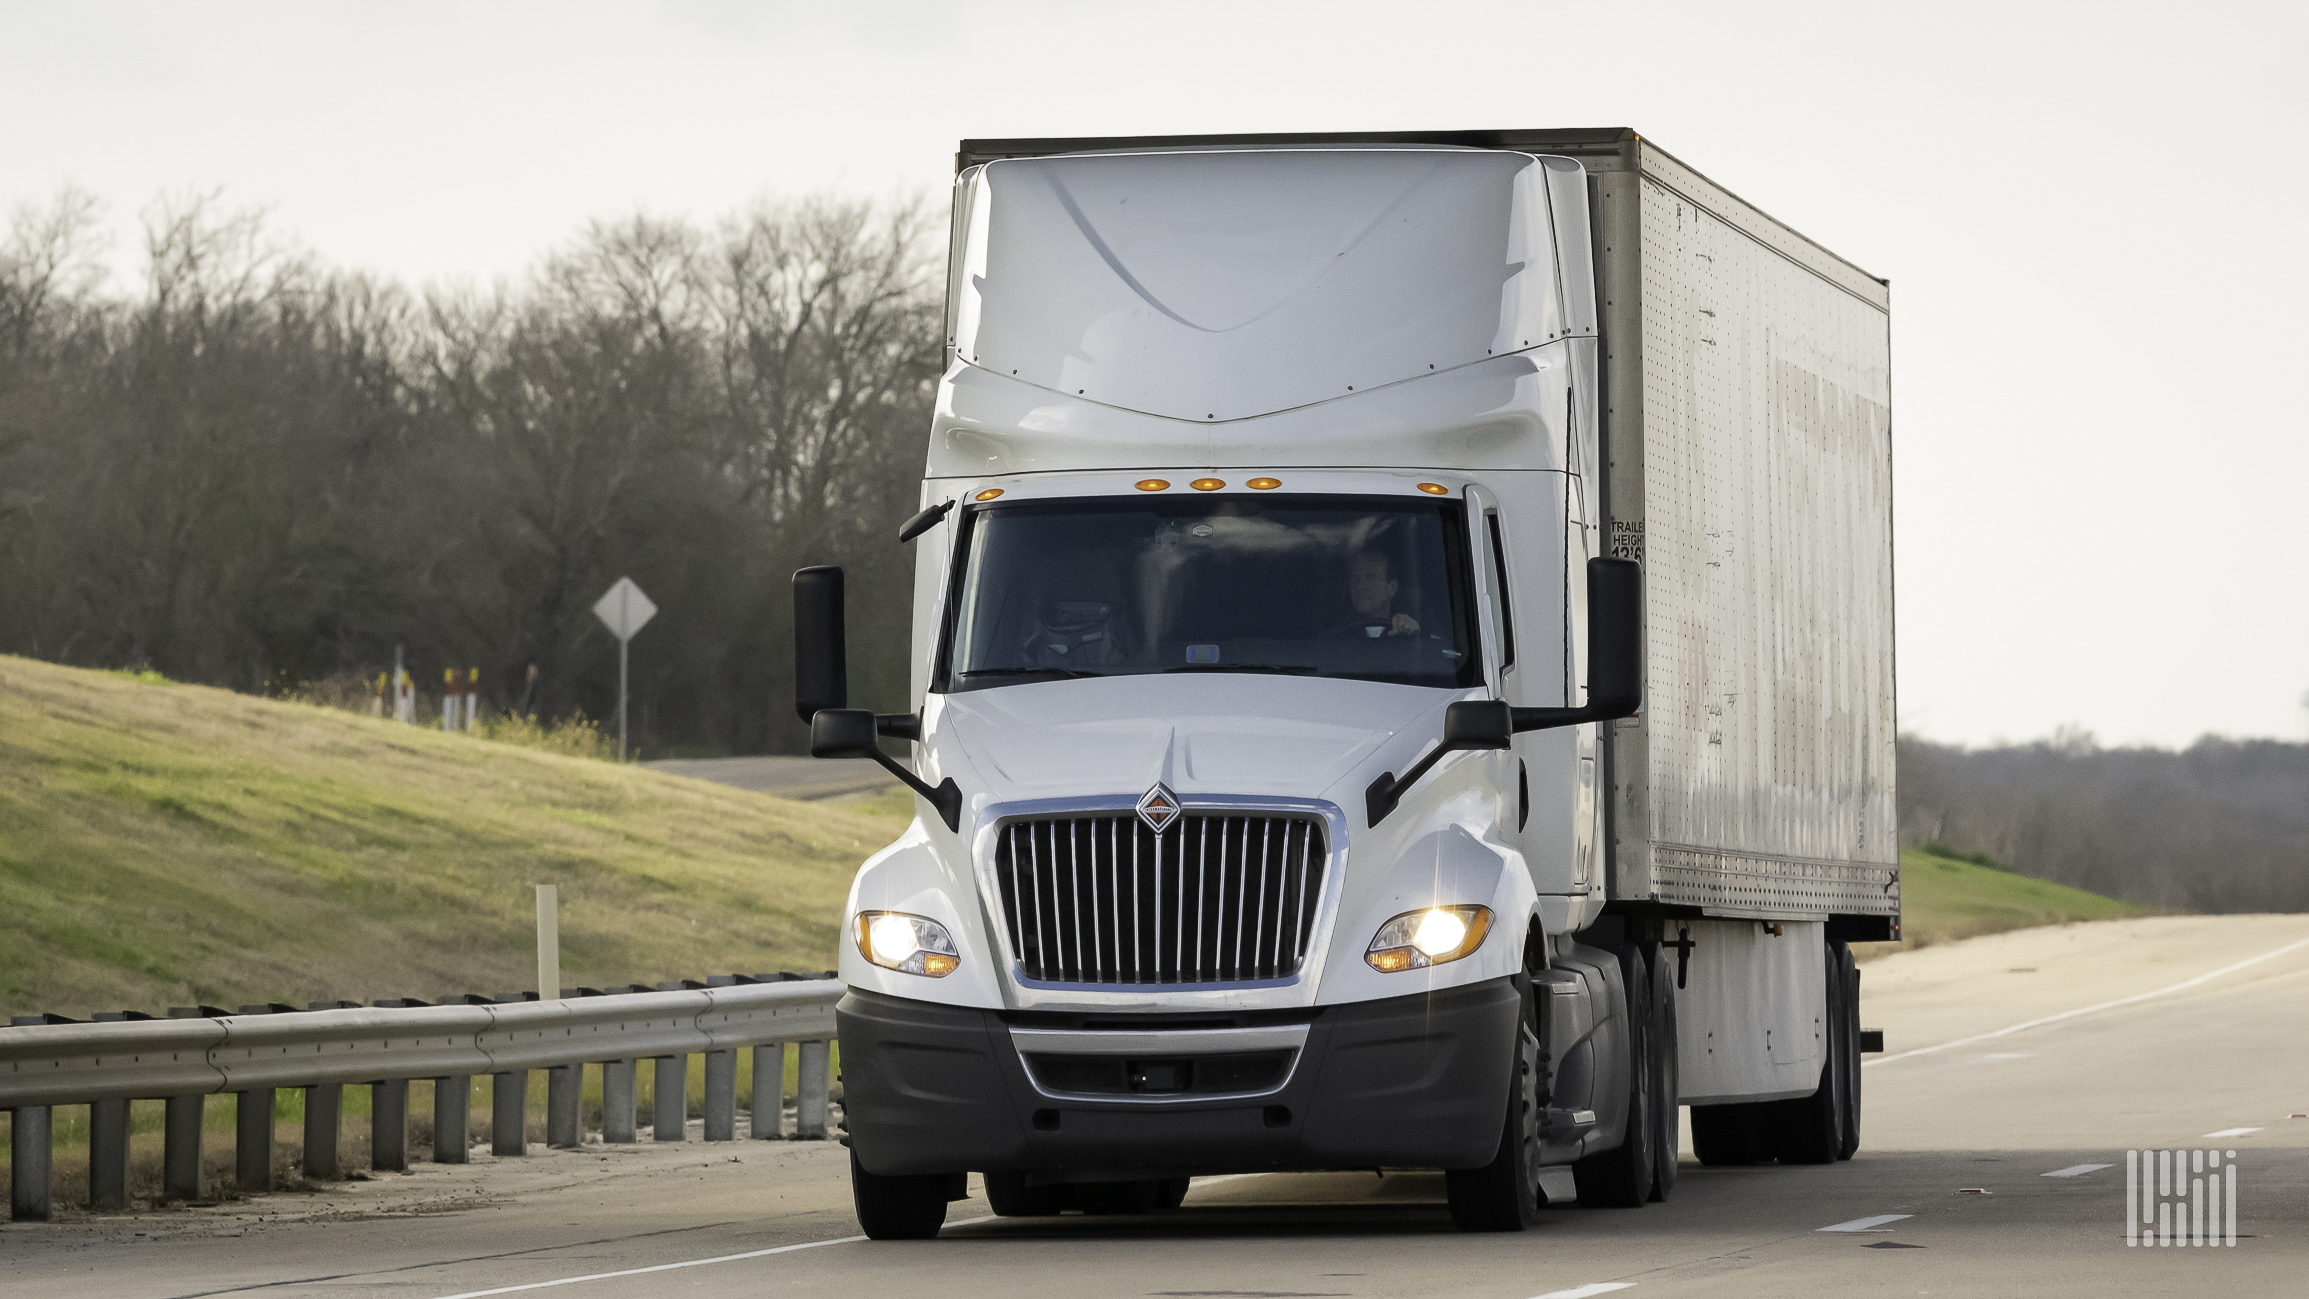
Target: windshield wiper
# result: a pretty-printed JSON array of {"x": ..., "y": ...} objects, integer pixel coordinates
[
  {"x": 1288, "y": 669},
  {"x": 1030, "y": 672}
]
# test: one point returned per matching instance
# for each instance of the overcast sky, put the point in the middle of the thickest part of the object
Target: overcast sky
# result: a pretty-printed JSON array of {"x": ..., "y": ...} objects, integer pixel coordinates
[{"x": 2092, "y": 216}]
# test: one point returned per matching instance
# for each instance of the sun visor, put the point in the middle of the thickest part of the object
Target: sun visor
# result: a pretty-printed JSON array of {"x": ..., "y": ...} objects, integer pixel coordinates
[{"x": 1219, "y": 285}]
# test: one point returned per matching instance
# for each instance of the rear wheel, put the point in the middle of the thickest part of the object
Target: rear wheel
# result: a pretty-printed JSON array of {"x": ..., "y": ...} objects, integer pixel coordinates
[
  {"x": 898, "y": 1208},
  {"x": 1851, "y": 972},
  {"x": 1667, "y": 1080},
  {"x": 1810, "y": 1129},
  {"x": 1621, "y": 1178},
  {"x": 1503, "y": 1195}
]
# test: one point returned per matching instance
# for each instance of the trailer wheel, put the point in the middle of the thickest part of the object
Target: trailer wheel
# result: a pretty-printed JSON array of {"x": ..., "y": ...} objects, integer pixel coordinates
[
  {"x": 1010, "y": 1197},
  {"x": 1850, "y": 968},
  {"x": 1503, "y": 1195},
  {"x": 1810, "y": 1129},
  {"x": 1621, "y": 1178},
  {"x": 1667, "y": 1082},
  {"x": 898, "y": 1208}
]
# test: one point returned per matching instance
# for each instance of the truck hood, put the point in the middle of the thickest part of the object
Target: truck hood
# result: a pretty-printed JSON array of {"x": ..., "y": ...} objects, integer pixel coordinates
[{"x": 1206, "y": 733}]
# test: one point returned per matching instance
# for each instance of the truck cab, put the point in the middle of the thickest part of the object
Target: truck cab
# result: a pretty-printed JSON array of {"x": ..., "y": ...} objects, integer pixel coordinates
[{"x": 1266, "y": 648}]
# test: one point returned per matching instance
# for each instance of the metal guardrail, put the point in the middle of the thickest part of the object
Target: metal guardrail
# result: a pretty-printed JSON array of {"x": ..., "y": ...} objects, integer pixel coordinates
[{"x": 185, "y": 1060}]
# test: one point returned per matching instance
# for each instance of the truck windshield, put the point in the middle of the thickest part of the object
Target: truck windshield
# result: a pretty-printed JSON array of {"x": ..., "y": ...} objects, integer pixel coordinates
[{"x": 1370, "y": 588}]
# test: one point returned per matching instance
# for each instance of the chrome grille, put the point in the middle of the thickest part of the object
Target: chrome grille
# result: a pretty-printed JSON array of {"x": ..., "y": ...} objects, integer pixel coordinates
[{"x": 1214, "y": 899}]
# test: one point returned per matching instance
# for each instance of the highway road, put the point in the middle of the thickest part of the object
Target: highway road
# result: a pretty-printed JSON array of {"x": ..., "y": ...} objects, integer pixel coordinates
[{"x": 2184, "y": 1032}]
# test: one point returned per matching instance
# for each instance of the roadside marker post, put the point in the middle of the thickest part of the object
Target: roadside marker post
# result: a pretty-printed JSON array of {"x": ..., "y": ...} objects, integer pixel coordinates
[
  {"x": 473, "y": 702},
  {"x": 624, "y": 610}
]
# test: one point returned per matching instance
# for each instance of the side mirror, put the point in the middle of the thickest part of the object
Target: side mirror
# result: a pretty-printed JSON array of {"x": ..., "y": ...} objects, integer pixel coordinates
[
  {"x": 1615, "y": 650},
  {"x": 844, "y": 733},
  {"x": 821, "y": 656},
  {"x": 1478, "y": 724},
  {"x": 1468, "y": 724}
]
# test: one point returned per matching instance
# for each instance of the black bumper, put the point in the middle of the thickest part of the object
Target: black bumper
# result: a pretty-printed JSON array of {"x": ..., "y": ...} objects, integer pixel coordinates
[{"x": 1409, "y": 1082}]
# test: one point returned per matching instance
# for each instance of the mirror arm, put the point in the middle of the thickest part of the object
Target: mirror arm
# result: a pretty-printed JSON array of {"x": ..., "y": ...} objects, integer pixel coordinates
[
  {"x": 899, "y": 726},
  {"x": 1385, "y": 792},
  {"x": 946, "y": 796}
]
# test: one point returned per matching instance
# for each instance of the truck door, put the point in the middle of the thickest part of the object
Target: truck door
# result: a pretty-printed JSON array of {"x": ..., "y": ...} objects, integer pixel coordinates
[{"x": 1519, "y": 545}]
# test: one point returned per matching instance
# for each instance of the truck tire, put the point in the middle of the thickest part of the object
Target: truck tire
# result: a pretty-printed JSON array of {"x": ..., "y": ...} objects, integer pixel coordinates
[
  {"x": 898, "y": 1208},
  {"x": 1667, "y": 1081},
  {"x": 1810, "y": 1129},
  {"x": 1621, "y": 1178},
  {"x": 1503, "y": 1195},
  {"x": 1851, "y": 971},
  {"x": 1010, "y": 1197}
]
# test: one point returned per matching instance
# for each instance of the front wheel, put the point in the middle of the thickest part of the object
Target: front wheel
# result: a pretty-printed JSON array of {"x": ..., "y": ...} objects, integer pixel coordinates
[
  {"x": 1503, "y": 1195},
  {"x": 898, "y": 1208}
]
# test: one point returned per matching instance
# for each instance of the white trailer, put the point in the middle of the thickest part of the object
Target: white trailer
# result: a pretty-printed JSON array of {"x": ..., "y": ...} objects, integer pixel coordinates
[{"x": 1308, "y": 779}]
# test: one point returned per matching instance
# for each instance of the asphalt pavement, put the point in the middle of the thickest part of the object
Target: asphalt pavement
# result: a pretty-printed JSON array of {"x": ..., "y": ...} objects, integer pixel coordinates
[{"x": 2020, "y": 1071}]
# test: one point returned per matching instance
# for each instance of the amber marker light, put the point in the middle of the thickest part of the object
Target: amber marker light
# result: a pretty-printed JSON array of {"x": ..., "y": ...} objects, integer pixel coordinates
[
  {"x": 1435, "y": 489},
  {"x": 1264, "y": 484},
  {"x": 1207, "y": 484},
  {"x": 1154, "y": 484},
  {"x": 988, "y": 495}
]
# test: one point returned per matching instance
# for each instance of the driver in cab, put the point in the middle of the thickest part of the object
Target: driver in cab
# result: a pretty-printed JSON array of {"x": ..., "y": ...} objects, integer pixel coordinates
[{"x": 1371, "y": 589}]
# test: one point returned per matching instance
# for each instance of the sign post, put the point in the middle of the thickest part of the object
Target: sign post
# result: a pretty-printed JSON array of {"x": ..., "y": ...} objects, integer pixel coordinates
[{"x": 624, "y": 610}]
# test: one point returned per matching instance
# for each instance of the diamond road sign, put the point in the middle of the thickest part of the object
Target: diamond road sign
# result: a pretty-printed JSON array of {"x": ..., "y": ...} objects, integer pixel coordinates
[{"x": 624, "y": 609}]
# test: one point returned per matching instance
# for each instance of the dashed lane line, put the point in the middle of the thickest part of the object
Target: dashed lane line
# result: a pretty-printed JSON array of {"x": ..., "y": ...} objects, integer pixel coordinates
[
  {"x": 1591, "y": 1288},
  {"x": 2232, "y": 1132},
  {"x": 1868, "y": 1224},
  {"x": 2087, "y": 1010},
  {"x": 2076, "y": 1170}
]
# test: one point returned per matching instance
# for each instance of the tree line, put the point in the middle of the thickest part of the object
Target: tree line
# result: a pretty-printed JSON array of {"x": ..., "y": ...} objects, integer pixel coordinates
[
  {"x": 254, "y": 470},
  {"x": 2221, "y": 826}
]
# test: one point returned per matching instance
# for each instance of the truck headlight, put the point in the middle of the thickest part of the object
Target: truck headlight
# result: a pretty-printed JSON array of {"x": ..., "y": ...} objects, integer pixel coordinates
[
  {"x": 1418, "y": 939},
  {"x": 907, "y": 944}
]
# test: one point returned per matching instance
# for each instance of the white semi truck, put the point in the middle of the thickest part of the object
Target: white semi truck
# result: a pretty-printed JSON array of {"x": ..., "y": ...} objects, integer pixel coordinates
[{"x": 1403, "y": 678}]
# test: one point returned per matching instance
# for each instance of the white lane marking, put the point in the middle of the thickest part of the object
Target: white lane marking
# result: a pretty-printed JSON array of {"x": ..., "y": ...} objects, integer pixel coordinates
[
  {"x": 1224, "y": 1177},
  {"x": 1868, "y": 1224},
  {"x": 2087, "y": 1010},
  {"x": 2232, "y": 1132},
  {"x": 670, "y": 1267},
  {"x": 1591, "y": 1288},
  {"x": 2076, "y": 1170}
]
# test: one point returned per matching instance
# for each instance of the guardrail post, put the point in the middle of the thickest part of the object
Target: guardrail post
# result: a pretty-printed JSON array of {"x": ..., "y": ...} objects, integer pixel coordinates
[
  {"x": 564, "y": 1084},
  {"x": 28, "y": 1166},
  {"x": 669, "y": 1119},
  {"x": 389, "y": 1125},
  {"x": 324, "y": 1107},
  {"x": 509, "y": 1113},
  {"x": 452, "y": 1111},
  {"x": 253, "y": 1140},
  {"x": 769, "y": 1114},
  {"x": 108, "y": 1156},
  {"x": 617, "y": 1102},
  {"x": 180, "y": 1147},
  {"x": 810, "y": 1087},
  {"x": 721, "y": 1095}
]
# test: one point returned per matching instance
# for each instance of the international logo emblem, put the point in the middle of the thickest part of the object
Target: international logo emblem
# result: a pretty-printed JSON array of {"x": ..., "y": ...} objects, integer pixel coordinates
[{"x": 1158, "y": 807}]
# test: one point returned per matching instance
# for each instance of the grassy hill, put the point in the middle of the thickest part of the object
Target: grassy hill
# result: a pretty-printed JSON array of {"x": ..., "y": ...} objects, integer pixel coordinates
[
  {"x": 165, "y": 844},
  {"x": 1944, "y": 899}
]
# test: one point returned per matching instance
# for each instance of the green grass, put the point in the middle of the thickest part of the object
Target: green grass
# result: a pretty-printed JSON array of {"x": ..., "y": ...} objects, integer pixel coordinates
[
  {"x": 1945, "y": 898},
  {"x": 166, "y": 844}
]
